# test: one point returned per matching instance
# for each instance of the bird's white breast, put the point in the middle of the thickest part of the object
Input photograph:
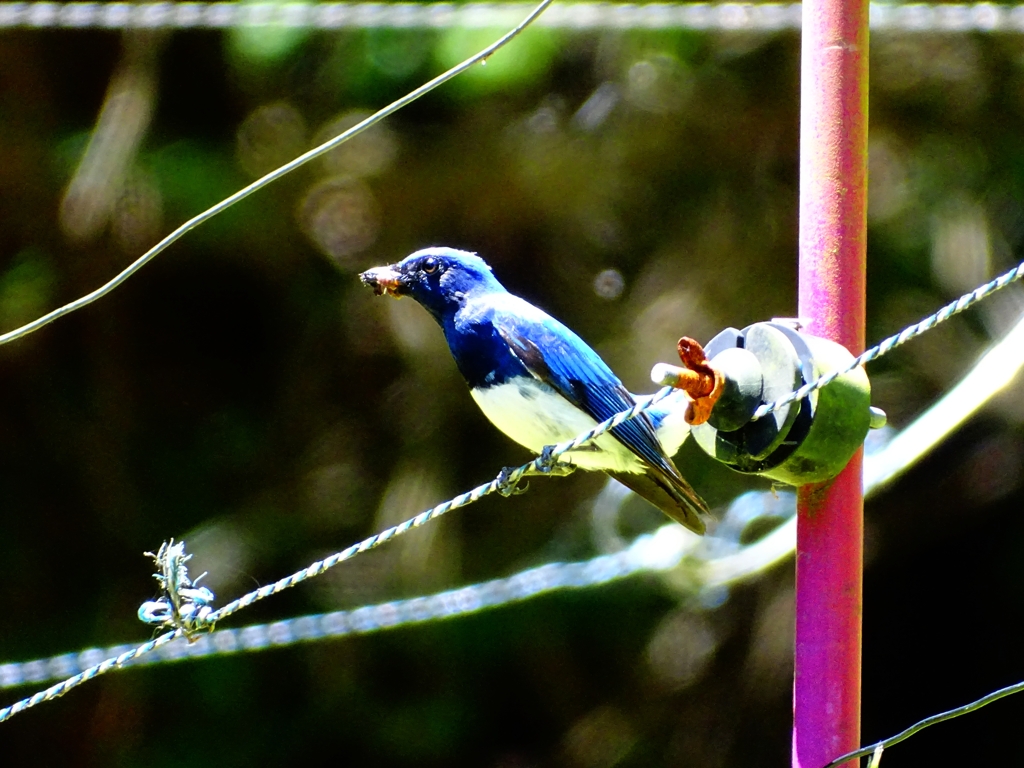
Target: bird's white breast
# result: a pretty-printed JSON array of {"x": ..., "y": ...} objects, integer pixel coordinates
[{"x": 535, "y": 415}]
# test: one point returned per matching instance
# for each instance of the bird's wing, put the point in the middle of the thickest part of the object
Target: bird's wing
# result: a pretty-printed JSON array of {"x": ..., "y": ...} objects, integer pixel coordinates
[
  {"x": 562, "y": 360},
  {"x": 558, "y": 357}
]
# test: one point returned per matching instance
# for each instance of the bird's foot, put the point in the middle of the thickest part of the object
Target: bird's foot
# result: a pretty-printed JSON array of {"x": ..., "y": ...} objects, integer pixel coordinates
[
  {"x": 508, "y": 484},
  {"x": 548, "y": 464},
  {"x": 545, "y": 465}
]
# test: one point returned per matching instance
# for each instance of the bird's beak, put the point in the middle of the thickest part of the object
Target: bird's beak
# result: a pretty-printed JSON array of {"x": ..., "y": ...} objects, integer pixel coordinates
[{"x": 384, "y": 280}]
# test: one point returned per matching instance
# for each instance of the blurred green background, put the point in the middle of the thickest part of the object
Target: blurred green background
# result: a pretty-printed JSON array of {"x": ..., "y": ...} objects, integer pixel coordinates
[{"x": 246, "y": 393}]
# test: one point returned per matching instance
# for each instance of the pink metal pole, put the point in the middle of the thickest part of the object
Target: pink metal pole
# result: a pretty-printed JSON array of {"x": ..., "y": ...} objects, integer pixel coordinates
[{"x": 833, "y": 205}]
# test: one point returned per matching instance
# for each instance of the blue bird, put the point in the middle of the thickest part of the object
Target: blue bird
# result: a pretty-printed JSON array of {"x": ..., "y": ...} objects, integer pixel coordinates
[{"x": 540, "y": 383}]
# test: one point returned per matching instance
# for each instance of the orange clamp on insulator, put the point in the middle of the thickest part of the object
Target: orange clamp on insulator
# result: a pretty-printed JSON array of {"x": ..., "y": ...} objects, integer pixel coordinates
[{"x": 698, "y": 379}]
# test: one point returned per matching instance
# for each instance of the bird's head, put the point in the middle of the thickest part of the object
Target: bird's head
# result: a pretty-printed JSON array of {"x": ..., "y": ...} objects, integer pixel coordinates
[{"x": 438, "y": 278}]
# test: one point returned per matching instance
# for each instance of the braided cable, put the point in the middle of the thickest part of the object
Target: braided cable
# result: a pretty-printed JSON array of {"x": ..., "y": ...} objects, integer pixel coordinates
[
  {"x": 466, "y": 599},
  {"x": 662, "y": 551},
  {"x": 657, "y": 551},
  {"x": 58, "y": 690},
  {"x": 581, "y": 16},
  {"x": 892, "y": 342},
  {"x": 541, "y": 465}
]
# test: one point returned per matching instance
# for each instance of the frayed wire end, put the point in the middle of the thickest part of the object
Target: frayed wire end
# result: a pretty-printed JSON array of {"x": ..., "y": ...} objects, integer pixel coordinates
[{"x": 184, "y": 605}]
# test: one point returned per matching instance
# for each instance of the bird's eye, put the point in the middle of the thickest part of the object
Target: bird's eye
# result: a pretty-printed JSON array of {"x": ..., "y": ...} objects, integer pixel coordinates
[{"x": 430, "y": 265}]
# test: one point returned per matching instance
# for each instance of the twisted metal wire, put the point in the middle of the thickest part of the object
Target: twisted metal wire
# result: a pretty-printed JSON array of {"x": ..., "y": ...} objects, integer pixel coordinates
[
  {"x": 715, "y": 560},
  {"x": 641, "y": 556},
  {"x": 661, "y": 551},
  {"x": 915, "y": 17},
  {"x": 327, "y": 16},
  {"x": 541, "y": 465},
  {"x": 651, "y": 552},
  {"x": 892, "y": 342},
  {"x": 981, "y": 17},
  {"x": 96, "y": 670},
  {"x": 920, "y": 725}
]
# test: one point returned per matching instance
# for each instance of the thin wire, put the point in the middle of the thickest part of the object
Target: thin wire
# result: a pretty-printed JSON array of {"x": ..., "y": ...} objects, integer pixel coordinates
[
  {"x": 982, "y": 17},
  {"x": 502, "y": 483},
  {"x": 713, "y": 561},
  {"x": 991, "y": 373},
  {"x": 892, "y": 342},
  {"x": 77, "y": 15},
  {"x": 94, "y": 671},
  {"x": 933, "y": 720},
  {"x": 269, "y": 178},
  {"x": 329, "y": 16},
  {"x": 152, "y": 15},
  {"x": 541, "y": 465},
  {"x": 658, "y": 551},
  {"x": 663, "y": 550},
  {"x": 914, "y": 17}
]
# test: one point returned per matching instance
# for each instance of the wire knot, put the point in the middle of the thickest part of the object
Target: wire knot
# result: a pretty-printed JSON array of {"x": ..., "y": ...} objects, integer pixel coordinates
[{"x": 184, "y": 604}]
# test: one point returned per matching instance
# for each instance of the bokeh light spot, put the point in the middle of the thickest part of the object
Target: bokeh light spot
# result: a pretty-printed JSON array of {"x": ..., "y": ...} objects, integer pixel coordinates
[
  {"x": 138, "y": 213},
  {"x": 660, "y": 84},
  {"x": 681, "y": 649},
  {"x": 270, "y": 136},
  {"x": 25, "y": 288},
  {"x": 609, "y": 284},
  {"x": 522, "y": 61},
  {"x": 341, "y": 217},
  {"x": 365, "y": 154}
]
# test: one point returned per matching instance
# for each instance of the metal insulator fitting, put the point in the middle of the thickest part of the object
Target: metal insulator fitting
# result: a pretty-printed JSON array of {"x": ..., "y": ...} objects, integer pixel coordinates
[{"x": 808, "y": 441}]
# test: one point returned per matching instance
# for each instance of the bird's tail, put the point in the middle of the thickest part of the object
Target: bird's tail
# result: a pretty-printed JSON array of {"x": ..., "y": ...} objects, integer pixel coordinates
[{"x": 671, "y": 494}]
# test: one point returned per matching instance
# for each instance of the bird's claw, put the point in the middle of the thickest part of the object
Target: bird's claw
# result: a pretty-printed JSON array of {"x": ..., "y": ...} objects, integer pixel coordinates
[
  {"x": 548, "y": 464},
  {"x": 545, "y": 465},
  {"x": 547, "y": 460},
  {"x": 508, "y": 485}
]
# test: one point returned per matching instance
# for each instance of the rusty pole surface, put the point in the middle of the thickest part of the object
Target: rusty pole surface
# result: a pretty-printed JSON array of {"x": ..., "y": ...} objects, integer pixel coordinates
[{"x": 830, "y": 523}]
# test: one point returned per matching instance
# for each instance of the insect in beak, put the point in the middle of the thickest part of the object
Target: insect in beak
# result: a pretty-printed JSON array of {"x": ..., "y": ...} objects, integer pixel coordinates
[{"x": 383, "y": 280}]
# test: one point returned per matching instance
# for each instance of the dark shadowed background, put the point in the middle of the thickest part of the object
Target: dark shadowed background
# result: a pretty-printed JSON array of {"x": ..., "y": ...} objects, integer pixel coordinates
[{"x": 245, "y": 393}]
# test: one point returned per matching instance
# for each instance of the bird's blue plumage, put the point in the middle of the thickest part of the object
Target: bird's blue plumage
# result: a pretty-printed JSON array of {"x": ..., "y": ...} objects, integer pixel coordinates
[
  {"x": 557, "y": 356},
  {"x": 483, "y": 357},
  {"x": 534, "y": 377}
]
